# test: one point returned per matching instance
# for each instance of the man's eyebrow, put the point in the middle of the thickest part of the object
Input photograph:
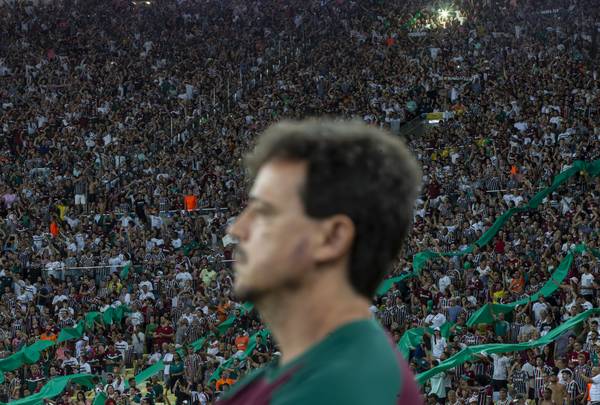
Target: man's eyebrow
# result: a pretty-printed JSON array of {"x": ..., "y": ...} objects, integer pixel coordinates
[{"x": 260, "y": 201}]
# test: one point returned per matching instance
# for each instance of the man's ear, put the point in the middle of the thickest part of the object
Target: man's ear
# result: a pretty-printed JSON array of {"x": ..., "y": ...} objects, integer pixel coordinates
[{"x": 337, "y": 236}]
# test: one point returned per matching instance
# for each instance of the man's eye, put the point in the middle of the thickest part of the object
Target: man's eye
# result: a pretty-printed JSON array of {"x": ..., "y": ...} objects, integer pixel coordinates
[{"x": 261, "y": 211}]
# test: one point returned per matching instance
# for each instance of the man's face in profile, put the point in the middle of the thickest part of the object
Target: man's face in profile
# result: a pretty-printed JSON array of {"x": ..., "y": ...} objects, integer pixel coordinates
[{"x": 276, "y": 237}]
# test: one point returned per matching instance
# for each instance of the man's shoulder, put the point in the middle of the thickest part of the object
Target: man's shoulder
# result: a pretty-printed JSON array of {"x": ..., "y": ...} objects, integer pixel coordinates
[
  {"x": 349, "y": 383},
  {"x": 333, "y": 384},
  {"x": 359, "y": 367},
  {"x": 356, "y": 364}
]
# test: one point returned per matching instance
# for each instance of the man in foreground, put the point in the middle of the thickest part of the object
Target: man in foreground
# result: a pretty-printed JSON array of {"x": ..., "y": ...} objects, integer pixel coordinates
[{"x": 330, "y": 206}]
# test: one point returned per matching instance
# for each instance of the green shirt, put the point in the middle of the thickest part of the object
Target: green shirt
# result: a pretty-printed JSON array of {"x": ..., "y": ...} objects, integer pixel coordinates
[
  {"x": 157, "y": 389},
  {"x": 187, "y": 249},
  {"x": 207, "y": 276},
  {"x": 356, "y": 364},
  {"x": 500, "y": 328},
  {"x": 176, "y": 367},
  {"x": 150, "y": 328}
]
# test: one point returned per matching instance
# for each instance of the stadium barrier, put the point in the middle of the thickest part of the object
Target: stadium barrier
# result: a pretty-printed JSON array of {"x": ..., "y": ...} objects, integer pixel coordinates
[{"x": 98, "y": 273}]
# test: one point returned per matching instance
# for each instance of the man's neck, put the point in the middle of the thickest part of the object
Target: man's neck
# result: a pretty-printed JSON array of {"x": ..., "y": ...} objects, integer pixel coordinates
[{"x": 301, "y": 319}]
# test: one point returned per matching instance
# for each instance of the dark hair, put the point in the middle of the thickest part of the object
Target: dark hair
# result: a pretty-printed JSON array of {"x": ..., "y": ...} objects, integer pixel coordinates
[{"x": 356, "y": 170}]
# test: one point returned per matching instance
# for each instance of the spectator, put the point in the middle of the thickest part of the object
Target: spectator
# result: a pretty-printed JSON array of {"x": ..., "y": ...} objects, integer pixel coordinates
[{"x": 99, "y": 154}]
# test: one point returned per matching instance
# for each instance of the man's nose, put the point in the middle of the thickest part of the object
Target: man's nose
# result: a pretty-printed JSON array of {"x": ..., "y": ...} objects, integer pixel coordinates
[{"x": 238, "y": 229}]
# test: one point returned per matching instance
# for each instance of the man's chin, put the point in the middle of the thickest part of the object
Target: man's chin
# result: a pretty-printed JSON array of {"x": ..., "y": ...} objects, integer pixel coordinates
[{"x": 247, "y": 293}]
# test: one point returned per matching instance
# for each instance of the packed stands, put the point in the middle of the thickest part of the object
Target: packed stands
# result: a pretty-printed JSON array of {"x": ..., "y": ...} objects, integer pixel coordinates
[{"x": 123, "y": 128}]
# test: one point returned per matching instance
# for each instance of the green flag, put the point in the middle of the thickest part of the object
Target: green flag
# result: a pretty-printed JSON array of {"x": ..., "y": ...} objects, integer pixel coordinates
[
  {"x": 226, "y": 324},
  {"x": 588, "y": 168},
  {"x": 55, "y": 387},
  {"x": 149, "y": 372},
  {"x": 387, "y": 284},
  {"x": 32, "y": 353},
  {"x": 471, "y": 353},
  {"x": 197, "y": 344},
  {"x": 486, "y": 313},
  {"x": 251, "y": 345},
  {"x": 71, "y": 333},
  {"x": 91, "y": 318}
]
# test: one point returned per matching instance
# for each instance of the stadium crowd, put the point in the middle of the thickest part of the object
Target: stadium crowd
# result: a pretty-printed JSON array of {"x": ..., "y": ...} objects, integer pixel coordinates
[{"x": 123, "y": 129}]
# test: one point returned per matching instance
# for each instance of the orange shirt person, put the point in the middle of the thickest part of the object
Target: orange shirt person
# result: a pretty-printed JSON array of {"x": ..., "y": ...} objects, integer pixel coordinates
[
  {"x": 241, "y": 342},
  {"x": 225, "y": 379},
  {"x": 222, "y": 310},
  {"x": 190, "y": 202},
  {"x": 48, "y": 335},
  {"x": 54, "y": 228},
  {"x": 517, "y": 283}
]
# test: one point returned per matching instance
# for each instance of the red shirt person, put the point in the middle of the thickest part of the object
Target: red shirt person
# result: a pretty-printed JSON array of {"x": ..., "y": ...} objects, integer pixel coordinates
[{"x": 164, "y": 333}]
